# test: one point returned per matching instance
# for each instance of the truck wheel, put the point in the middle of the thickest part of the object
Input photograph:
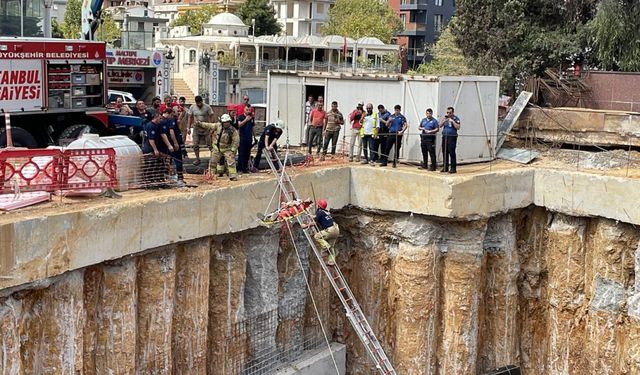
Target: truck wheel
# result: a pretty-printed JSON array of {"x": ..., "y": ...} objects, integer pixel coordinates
[
  {"x": 20, "y": 137},
  {"x": 74, "y": 132}
]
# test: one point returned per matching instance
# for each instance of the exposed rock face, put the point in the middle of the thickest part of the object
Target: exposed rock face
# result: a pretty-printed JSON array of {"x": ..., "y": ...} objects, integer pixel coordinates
[
  {"x": 548, "y": 292},
  {"x": 191, "y": 311}
]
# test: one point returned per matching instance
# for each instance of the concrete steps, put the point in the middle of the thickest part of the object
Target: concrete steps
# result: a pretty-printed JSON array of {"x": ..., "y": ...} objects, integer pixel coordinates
[{"x": 180, "y": 88}]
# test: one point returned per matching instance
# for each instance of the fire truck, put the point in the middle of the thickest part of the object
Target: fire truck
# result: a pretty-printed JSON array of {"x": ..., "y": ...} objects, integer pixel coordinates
[{"x": 51, "y": 90}]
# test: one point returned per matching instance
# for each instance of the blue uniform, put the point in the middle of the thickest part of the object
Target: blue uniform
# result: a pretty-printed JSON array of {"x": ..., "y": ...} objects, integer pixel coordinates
[
  {"x": 163, "y": 128},
  {"x": 154, "y": 168},
  {"x": 150, "y": 131},
  {"x": 394, "y": 139},
  {"x": 324, "y": 219},
  {"x": 449, "y": 129},
  {"x": 426, "y": 125},
  {"x": 177, "y": 154},
  {"x": 384, "y": 116},
  {"x": 270, "y": 133},
  {"x": 246, "y": 143},
  {"x": 428, "y": 142},
  {"x": 449, "y": 143},
  {"x": 397, "y": 122}
]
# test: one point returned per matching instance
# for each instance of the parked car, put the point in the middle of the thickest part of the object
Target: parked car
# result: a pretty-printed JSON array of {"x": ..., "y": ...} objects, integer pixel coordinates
[{"x": 127, "y": 97}]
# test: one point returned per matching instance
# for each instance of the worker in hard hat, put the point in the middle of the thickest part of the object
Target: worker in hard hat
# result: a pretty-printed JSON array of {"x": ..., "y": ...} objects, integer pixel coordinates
[
  {"x": 225, "y": 140},
  {"x": 329, "y": 230},
  {"x": 268, "y": 140}
]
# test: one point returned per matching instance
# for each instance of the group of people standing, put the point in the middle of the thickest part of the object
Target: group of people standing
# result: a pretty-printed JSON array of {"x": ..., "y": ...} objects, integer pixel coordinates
[
  {"x": 374, "y": 134},
  {"x": 231, "y": 137}
]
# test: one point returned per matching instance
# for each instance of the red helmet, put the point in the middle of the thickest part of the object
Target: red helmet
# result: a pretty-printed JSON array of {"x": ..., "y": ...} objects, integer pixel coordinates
[{"x": 322, "y": 203}]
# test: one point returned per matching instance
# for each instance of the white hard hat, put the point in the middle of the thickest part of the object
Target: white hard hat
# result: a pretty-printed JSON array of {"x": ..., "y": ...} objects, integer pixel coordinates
[
  {"x": 280, "y": 124},
  {"x": 225, "y": 118}
]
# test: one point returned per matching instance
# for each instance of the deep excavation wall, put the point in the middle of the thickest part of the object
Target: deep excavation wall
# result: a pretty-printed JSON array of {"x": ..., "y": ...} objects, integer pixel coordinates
[
  {"x": 480, "y": 276},
  {"x": 552, "y": 293}
]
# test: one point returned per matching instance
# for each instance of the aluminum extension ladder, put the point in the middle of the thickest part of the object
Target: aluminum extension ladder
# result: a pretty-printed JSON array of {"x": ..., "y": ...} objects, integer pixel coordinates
[{"x": 336, "y": 278}]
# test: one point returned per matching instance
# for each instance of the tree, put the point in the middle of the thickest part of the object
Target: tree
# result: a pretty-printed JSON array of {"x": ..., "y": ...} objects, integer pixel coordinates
[
  {"x": 56, "y": 29},
  {"x": 520, "y": 38},
  {"x": 447, "y": 57},
  {"x": 263, "y": 13},
  {"x": 196, "y": 18},
  {"x": 362, "y": 18},
  {"x": 615, "y": 33},
  {"x": 108, "y": 31},
  {"x": 72, "y": 18}
]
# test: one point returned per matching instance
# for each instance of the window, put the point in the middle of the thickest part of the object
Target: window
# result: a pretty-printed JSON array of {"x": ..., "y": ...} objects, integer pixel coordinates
[
  {"x": 403, "y": 18},
  {"x": 319, "y": 8},
  {"x": 437, "y": 22},
  {"x": 192, "y": 56},
  {"x": 289, "y": 9},
  {"x": 140, "y": 26},
  {"x": 439, "y": 3}
]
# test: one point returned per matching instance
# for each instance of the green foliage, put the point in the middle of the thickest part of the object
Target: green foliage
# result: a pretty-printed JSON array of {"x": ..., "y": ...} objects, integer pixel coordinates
[
  {"x": 196, "y": 18},
  {"x": 263, "y": 13},
  {"x": 363, "y": 18},
  {"x": 447, "y": 57},
  {"x": 70, "y": 27},
  {"x": 108, "y": 31},
  {"x": 72, "y": 17},
  {"x": 56, "y": 29},
  {"x": 520, "y": 38},
  {"x": 615, "y": 34}
]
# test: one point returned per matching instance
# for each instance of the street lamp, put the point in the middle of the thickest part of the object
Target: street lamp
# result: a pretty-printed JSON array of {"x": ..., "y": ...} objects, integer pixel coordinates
[{"x": 253, "y": 29}]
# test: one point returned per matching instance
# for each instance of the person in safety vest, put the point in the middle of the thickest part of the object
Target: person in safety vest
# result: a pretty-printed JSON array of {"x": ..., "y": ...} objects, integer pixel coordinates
[
  {"x": 370, "y": 124},
  {"x": 224, "y": 142}
]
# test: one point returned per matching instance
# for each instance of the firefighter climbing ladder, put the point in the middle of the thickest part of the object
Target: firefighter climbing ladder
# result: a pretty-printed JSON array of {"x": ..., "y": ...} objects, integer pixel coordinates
[{"x": 336, "y": 278}]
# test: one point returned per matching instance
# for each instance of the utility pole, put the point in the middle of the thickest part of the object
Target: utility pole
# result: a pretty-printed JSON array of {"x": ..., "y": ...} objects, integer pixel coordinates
[
  {"x": 46, "y": 21},
  {"x": 21, "y": 17}
]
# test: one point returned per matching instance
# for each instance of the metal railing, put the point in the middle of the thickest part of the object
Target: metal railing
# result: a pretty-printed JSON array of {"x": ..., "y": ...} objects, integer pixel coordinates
[{"x": 248, "y": 66}]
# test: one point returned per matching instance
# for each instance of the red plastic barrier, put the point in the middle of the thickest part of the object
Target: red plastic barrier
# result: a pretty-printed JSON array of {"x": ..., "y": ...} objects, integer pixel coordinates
[
  {"x": 30, "y": 170},
  {"x": 88, "y": 168},
  {"x": 53, "y": 170}
]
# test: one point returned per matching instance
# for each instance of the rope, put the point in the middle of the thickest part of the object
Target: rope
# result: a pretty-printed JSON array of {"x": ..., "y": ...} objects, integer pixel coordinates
[{"x": 313, "y": 300}]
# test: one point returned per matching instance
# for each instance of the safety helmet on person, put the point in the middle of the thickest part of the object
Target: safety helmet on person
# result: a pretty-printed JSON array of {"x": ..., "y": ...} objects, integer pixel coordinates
[
  {"x": 280, "y": 124},
  {"x": 322, "y": 203},
  {"x": 225, "y": 118}
]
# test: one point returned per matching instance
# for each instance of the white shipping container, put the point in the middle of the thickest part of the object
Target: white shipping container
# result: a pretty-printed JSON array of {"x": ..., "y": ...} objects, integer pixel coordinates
[{"x": 475, "y": 99}]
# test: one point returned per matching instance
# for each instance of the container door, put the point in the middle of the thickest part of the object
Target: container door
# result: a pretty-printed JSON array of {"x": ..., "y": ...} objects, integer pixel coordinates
[
  {"x": 291, "y": 110},
  {"x": 475, "y": 100}
]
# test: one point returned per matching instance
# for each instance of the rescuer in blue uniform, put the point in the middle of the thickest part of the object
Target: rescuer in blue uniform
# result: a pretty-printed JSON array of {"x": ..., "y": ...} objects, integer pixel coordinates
[
  {"x": 428, "y": 128},
  {"x": 268, "y": 140},
  {"x": 450, "y": 125},
  {"x": 245, "y": 122},
  {"x": 397, "y": 127}
]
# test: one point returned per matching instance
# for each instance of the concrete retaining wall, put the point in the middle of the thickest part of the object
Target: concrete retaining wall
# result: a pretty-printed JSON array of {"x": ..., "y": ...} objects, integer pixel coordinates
[{"x": 51, "y": 242}]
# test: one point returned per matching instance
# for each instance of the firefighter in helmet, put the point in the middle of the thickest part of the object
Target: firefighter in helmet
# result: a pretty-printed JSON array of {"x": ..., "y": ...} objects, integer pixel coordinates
[
  {"x": 225, "y": 140},
  {"x": 328, "y": 230}
]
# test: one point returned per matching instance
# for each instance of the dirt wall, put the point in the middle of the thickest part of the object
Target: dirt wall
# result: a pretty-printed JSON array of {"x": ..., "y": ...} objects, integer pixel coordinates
[{"x": 551, "y": 293}]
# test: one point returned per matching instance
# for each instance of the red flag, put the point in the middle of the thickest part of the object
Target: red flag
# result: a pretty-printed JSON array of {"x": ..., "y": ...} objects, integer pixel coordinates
[{"x": 344, "y": 46}]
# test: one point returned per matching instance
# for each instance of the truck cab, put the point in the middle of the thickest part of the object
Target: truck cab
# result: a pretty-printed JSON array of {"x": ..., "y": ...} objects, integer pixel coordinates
[{"x": 51, "y": 90}]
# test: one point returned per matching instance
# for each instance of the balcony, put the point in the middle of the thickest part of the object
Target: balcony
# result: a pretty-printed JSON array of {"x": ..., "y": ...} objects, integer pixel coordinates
[
  {"x": 415, "y": 54},
  {"x": 414, "y": 29},
  {"x": 248, "y": 67},
  {"x": 413, "y": 5}
]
